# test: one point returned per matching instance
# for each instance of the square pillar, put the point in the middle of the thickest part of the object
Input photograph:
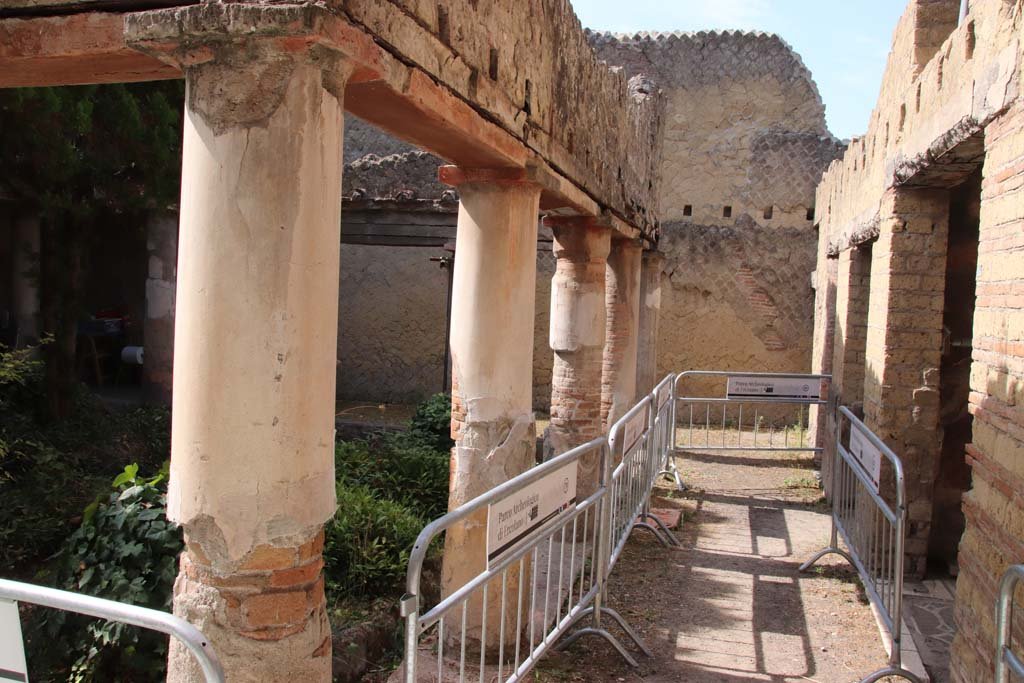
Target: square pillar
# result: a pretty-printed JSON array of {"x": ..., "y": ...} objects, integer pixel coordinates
[
  {"x": 824, "y": 283},
  {"x": 904, "y": 347},
  {"x": 852, "y": 289},
  {"x": 577, "y": 338},
  {"x": 492, "y": 326},
  {"x": 622, "y": 303},
  {"x": 252, "y": 457}
]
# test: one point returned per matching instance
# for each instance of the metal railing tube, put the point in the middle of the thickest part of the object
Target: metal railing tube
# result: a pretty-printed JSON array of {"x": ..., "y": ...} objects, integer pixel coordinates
[
  {"x": 1007, "y": 661},
  {"x": 144, "y": 617},
  {"x": 853, "y": 487}
]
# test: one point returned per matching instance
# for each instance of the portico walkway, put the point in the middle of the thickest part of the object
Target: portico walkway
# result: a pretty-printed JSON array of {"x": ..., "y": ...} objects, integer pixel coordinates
[{"x": 730, "y": 605}]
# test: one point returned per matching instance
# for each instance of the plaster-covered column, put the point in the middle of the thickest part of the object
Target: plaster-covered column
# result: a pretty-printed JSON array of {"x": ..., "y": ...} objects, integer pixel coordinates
[
  {"x": 904, "y": 347},
  {"x": 650, "y": 310},
  {"x": 577, "y": 338},
  {"x": 622, "y": 302},
  {"x": 25, "y": 277},
  {"x": 492, "y": 324},
  {"x": 158, "y": 329},
  {"x": 252, "y": 462}
]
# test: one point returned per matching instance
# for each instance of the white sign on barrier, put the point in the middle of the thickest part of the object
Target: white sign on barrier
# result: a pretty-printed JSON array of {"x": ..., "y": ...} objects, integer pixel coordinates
[
  {"x": 664, "y": 394},
  {"x": 513, "y": 518},
  {"x": 12, "y": 648},
  {"x": 633, "y": 430},
  {"x": 867, "y": 454},
  {"x": 754, "y": 387}
]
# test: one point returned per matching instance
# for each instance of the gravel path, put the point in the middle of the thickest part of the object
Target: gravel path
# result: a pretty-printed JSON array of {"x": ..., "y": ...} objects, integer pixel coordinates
[{"x": 730, "y": 605}]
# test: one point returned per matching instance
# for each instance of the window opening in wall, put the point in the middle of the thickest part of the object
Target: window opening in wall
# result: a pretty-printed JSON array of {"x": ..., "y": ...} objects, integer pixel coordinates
[
  {"x": 727, "y": 212},
  {"x": 810, "y": 214},
  {"x": 688, "y": 210},
  {"x": 768, "y": 212},
  {"x": 953, "y": 477},
  {"x": 492, "y": 69}
]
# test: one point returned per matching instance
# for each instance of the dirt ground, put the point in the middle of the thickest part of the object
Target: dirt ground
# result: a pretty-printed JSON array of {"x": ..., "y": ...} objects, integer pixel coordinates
[{"x": 729, "y": 606}]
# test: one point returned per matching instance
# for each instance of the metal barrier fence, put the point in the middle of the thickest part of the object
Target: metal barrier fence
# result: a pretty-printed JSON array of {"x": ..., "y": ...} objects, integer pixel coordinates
[
  {"x": 547, "y": 560},
  {"x": 154, "y": 620},
  {"x": 1007, "y": 661},
  {"x": 637, "y": 453},
  {"x": 871, "y": 527},
  {"x": 753, "y": 411},
  {"x": 551, "y": 558}
]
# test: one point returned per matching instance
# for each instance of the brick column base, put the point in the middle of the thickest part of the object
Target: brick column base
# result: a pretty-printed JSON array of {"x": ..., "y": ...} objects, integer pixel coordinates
[{"x": 269, "y": 607}]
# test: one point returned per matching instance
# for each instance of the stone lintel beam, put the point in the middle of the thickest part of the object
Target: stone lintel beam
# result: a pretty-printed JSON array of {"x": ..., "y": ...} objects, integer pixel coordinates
[{"x": 73, "y": 50}]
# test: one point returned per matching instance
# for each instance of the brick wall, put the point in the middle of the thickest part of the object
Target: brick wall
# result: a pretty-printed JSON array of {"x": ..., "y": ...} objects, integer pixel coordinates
[
  {"x": 950, "y": 103},
  {"x": 995, "y": 505}
]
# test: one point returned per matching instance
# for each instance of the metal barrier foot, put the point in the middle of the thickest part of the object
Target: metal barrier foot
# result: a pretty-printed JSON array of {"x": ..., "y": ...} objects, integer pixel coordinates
[
  {"x": 657, "y": 534},
  {"x": 668, "y": 532},
  {"x": 628, "y": 629},
  {"x": 594, "y": 631},
  {"x": 891, "y": 671},
  {"x": 827, "y": 551}
]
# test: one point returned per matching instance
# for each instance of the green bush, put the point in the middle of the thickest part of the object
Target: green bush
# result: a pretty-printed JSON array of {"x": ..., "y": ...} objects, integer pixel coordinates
[
  {"x": 125, "y": 550},
  {"x": 431, "y": 423},
  {"x": 397, "y": 467},
  {"x": 49, "y": 471},
  {"x": 367, "y": 543}
]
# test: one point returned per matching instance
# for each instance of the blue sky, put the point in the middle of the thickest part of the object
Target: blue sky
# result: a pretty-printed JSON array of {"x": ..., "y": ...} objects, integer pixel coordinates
[{"x": 843, "y": 42}]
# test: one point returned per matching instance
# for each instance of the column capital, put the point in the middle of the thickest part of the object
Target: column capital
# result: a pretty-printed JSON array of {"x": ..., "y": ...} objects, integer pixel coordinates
[
  {"x": 243, "y": 35},
  {"x": 579, "y": 238},
  {"x": 622, "y": 243},
  {"x": 578, "y": 222},
  {"x": 654, "y": 259}
]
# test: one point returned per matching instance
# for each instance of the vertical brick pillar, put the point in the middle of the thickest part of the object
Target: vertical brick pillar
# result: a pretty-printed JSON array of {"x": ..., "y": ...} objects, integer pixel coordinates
[
  {"x": 650, "y": 310},
  {"x": 853, "y": 275},
  {"x": 824, "y": 282},
  {"x": 904, "y": 346},
  {"x": 492, "y": 323},
  {"x": 252, "y": 459},
  {"x": 577, "y": 338},
  {"x": 852, "y": 290},
  {"x": 622, "y": 301},
  {"x": 158, "y": 328}
]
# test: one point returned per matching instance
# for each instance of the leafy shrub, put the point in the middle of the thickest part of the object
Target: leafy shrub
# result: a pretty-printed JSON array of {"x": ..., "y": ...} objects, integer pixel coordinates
[
  {"x": 431, "y": 423},
  {"x": 125, "y": 550},
  {"x": 49, "y": 471},
  {"x": 367, "y": 543},
  {"x": 397, "y": 467}
]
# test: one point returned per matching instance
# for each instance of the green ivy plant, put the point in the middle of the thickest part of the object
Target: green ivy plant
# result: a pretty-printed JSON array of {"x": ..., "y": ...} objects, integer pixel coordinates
[{"x": 125, "y": 550}]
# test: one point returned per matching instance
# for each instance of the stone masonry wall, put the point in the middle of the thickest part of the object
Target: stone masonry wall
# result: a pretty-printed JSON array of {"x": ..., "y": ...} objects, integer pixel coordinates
[
  {"x": 745, "y": 142},
  {"x": 950, "y": 103}
]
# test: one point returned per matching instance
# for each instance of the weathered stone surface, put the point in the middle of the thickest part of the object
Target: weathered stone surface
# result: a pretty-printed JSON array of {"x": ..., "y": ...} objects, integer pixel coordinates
[{"x": 744, "y": 129}]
